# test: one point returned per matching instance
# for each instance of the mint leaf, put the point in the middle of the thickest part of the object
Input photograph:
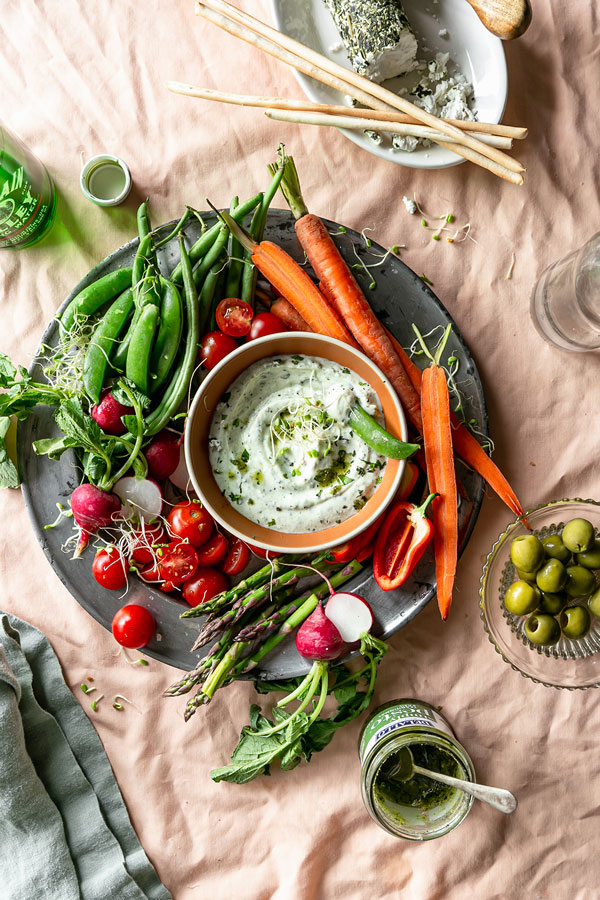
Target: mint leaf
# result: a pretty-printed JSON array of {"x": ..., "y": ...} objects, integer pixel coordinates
[
  {"x": 9, "y": 476},
  {"x": 7, "y": 371},
  {"x": 75, "y": 424},
  {"x": 121, "y": 397},
  {"x": 53, "y": 447}
]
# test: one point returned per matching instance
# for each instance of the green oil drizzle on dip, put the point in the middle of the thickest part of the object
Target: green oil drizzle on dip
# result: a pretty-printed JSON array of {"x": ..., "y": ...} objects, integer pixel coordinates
[{"x": 419, "y": 791}]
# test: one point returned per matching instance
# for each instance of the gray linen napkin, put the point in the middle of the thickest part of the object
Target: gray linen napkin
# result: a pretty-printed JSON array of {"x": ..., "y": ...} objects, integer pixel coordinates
[{"x": 64, "y": 830}]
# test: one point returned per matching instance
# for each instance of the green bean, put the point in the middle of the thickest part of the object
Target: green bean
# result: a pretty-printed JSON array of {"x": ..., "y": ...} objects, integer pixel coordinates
[
  {"x": 92, "y": 297},
  {"x": 103, "y": 339},
  {"x": 235, "y": 252},
  {"x": 210, "y": 296},
  {"x": 168, "y": 336},
  {"x": 143, "y": 256},
  {"x": 212, "y": 257},
  {"x": 175, "y": 230},
  {"x": 205, "y": 242},
  {"x": 257, "y": 230},
  {"x": 140, "y": 348}
]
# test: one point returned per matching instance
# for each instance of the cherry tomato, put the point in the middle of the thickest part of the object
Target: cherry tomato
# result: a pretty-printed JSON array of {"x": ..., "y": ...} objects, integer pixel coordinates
[
  {"x": 214, "y": 551},
  {"x": 234, "y": 316},
  {"x": 237, "y": 558},
  {"x": 167, "y": 587},
  {"x": 177, "y": 562},
  {"x": 110, "y": 569},
  {"x": 205, "y": 585},
  {"x": 258, "y": 551},
  {"x": 190, "y": 521},
  {"x": 145, "y": 540},
  {"x": 133, "y": 626},
  {"x": 265, "y": 323},
  {"x": 216, "y": 346}
]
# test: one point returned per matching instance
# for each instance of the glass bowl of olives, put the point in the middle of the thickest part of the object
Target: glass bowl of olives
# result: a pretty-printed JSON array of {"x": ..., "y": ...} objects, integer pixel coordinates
[{"x": 540, "y": 594}]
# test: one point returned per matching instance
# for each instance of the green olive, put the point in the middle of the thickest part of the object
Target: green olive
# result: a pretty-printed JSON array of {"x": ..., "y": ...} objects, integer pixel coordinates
[
  {"x": 527, "y": 553},
  {"x": 589, "y": 559},
  {"x": 594, "y": 603},
  {"x": 580, "y": 581},
  {"x": 552, "y": 604},
  {"x": 522, "y": 598},
  {"x": 574, "y": 621},
  {"x": 526, "y": 576},
  {"x": 542, "y": 629},
  {"x": 552, "y": 577},
  {"x": 578, "y": 535},
  {"x": 555, "y": 549}
]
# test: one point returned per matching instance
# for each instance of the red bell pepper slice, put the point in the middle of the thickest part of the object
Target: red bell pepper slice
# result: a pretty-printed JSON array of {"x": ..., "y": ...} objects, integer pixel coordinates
[{"x": 401, "y": 543}]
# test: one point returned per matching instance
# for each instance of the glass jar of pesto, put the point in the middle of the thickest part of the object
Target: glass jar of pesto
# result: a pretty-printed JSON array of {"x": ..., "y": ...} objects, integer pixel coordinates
[{"x": 419, "y": 809}]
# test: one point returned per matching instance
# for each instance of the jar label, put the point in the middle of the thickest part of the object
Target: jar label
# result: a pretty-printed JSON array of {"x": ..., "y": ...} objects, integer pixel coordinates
[
  {"x": 406, "y": 714},
  {"x": 22, "y": 210}
]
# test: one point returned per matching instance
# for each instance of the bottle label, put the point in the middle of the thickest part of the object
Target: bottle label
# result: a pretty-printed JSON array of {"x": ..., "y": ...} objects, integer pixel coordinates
[
  {"x": 402, "y": 716},
  {"x": 22, "y": 211}
]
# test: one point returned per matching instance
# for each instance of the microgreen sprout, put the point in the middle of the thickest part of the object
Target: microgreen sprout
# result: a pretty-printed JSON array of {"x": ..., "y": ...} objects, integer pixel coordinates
[
  {"x": 86, "y": 689},
  {"x": 94, "y": 703},
  {"x": 62, "y": 514},
  {"x": 118, "y": 701},
  {"x": 509, "y": 273}
]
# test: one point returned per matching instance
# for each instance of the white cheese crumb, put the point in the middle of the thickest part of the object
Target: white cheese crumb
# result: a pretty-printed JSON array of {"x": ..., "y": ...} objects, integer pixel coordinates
[{"x": 411, "y": 206}]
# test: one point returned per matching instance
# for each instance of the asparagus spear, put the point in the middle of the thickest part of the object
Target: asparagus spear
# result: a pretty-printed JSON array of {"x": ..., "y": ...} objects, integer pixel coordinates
[
  {"x": 254, "y": 598},
  {"x": 267, "y": 624},
  {"x": 203, "y": 668},
  {"x": 226, "y": 598}
]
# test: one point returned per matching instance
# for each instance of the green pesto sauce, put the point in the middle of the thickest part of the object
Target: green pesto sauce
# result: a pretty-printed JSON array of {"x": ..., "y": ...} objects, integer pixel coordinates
[{"x": 419, "y": 791}]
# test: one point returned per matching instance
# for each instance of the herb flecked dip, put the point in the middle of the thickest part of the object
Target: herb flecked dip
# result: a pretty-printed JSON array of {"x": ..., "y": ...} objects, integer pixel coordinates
[
  {"x": 418, "y": 791},
  {"x": 281, "y": 449}
]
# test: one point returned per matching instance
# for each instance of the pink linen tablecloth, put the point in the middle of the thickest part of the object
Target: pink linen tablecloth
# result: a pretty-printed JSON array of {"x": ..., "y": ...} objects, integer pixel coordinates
[{"x": 81, "y": 78}]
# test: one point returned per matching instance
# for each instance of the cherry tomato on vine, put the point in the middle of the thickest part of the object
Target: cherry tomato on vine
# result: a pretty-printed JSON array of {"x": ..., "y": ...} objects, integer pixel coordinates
[
  {"x": 177, "y": 562},
  {"x": 214, "y": 551},
  {"x": 190, "y": 521},
  {"x": 265, "y": 323},
  {"x": 234, "y": 317},
  {"x": 144, "y": 542},
  {"x": 205, "y": 585},
  {"x": 133, "y": 626},
  {"x": 110, "y": 569},
  {"x": 237, "y": 558},
  {"x": 214, "y": 347}
]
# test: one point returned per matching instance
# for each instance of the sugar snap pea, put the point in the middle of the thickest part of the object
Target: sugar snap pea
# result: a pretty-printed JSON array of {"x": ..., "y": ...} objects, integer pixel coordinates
[
  {"x": 91, "y": 298},
  {"x": 103, "y": 340},
  {"x": 168, "y": 335},
  {"x": 138, "y": 355},
  {"x": 143, "y": 219}
]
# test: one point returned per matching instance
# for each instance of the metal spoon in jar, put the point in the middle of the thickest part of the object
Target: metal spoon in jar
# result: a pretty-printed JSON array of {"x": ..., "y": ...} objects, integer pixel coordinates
[{"x": 404, "y": 768}]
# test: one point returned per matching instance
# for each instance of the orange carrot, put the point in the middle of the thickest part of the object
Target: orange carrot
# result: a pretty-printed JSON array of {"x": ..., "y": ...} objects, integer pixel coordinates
[
  {"x": 466, "y": 444},
  {"x": 289, "y": 316},
  {"x": 437, "y": 440},
  {"x": 292, "y": 282},
  {"x": 350, "y": 303}
]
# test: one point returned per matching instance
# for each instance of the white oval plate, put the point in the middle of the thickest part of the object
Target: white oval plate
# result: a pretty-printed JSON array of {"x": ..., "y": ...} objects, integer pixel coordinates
[{"x": 477, "y": 53}]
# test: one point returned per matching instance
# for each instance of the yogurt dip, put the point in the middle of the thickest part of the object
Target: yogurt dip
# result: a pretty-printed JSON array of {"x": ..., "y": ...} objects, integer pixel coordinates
[{"x": 281, "y": 449}]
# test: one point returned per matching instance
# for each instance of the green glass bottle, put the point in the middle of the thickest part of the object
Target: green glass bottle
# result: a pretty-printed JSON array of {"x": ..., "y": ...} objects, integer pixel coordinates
[{"x": 27, "y": 196}]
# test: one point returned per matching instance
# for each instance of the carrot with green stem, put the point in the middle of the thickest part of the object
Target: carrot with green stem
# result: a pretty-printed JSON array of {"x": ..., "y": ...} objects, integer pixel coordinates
[
  {"x": 437, "y": 439},
  {"x": 291, "y": 281},
  {"x": 466, "y": 444},
  {"x": 344, "y": 294}
]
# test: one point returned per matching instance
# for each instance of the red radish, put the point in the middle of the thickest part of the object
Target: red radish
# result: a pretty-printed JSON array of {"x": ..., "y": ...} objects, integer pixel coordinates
[
  {"x": 350, "y": 614},
  {"x": 318, "y": 638},
  {"x": 162, "y": 454},
  {"x": 109, "y": 414},
  {"x": 142, "y": 497},
  {"x": 92, "y": 509},
  {"x": 181, "y": 477}
]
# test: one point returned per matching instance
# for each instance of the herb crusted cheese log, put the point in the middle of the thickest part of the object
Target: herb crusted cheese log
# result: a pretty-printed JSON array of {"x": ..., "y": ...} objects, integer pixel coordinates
[{"x": 377, "y": 35}]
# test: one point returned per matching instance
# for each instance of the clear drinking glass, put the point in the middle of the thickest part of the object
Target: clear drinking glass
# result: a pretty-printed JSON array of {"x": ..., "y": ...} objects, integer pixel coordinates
[{"x": 565, "y": 305}]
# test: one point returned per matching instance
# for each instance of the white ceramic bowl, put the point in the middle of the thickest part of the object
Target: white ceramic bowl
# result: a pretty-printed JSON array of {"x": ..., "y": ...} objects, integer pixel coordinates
[{"x": 478, "y": 54}]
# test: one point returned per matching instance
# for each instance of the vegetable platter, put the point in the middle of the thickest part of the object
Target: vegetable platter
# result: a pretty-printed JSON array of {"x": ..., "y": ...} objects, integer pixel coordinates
[{"x": 48, "y": 482}]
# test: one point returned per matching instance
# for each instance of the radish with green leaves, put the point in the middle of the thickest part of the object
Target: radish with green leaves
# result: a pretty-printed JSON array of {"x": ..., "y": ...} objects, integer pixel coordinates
[{"x": 92, "y": 509}]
